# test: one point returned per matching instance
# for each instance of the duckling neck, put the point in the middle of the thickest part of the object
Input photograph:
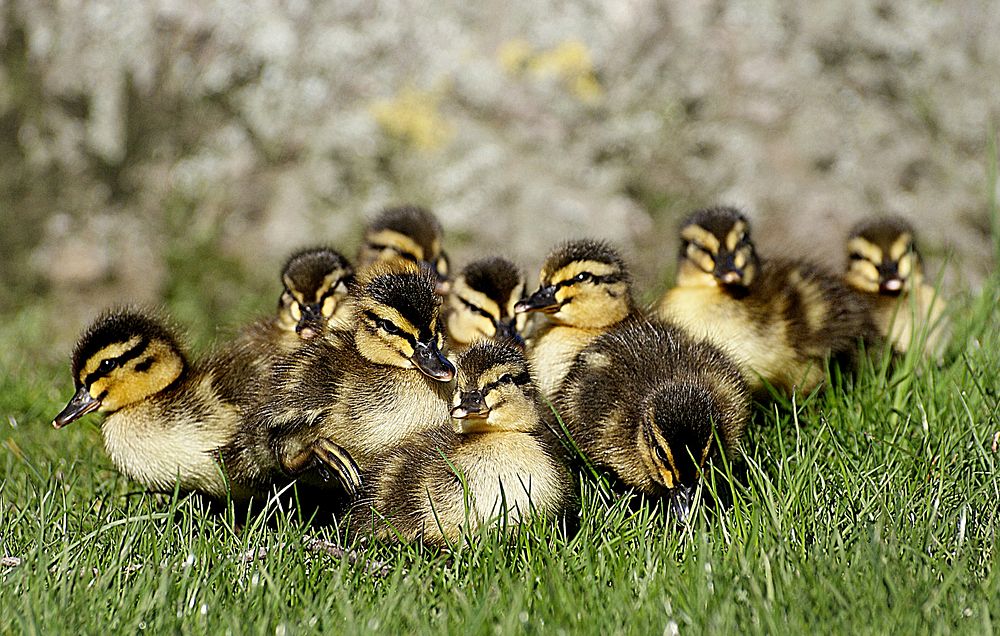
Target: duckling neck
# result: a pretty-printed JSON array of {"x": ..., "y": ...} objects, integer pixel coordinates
[{"x": 553, "y": 351}]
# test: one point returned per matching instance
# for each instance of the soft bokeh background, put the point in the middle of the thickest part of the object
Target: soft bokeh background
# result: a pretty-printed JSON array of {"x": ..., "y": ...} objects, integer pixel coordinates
[{"x": 173, "y": 152}]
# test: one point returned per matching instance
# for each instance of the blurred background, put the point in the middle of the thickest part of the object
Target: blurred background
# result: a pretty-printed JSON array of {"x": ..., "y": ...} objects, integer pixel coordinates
[{"x": 174, "y": 152}]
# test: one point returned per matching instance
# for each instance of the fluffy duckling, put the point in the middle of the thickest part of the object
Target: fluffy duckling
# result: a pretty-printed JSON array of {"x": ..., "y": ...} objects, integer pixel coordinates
[
  {"x": 168, "y": 421},
  {"x": 363, "y": 390},
  {"x": 408, "y": 233},
  {"x": 779, "y": 319},
  {"x": 584, "y": 289},
  {"x": 886, "y": 266},
  {"x": 652, "y": 406},
  {"x": 171, "y": 422},
  {"x": 313, "y": 299},
  {"x": 481, "y": 303},
  {"x": 498, "y": 461}
]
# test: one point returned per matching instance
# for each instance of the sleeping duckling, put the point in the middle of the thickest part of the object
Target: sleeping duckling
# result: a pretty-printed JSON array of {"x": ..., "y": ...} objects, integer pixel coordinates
[
  {"x": 313, "y": 299},
  {"x": 498, "y": 462},
  {"x": 408, "y": 233},
  {"x": 584, "y": 289},
  {"x": 363, "y": 390},
  {"x": 481, "y": 303},
  {"x": 652, "y": 406},
  {"x": 886, "y": 266},
  {"x": 779, "y": 319}
]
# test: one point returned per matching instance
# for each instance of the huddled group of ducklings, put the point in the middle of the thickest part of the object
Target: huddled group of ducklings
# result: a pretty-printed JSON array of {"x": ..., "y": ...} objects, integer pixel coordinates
[{"x": 427, "y": 406}]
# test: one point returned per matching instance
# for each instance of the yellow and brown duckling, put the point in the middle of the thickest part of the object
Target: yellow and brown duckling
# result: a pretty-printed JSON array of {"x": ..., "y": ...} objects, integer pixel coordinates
[
  {"x": 779, "y": 319},
  {"x": 313, "y": 299},
  {"x": 361, "y": 391},
  {"x": 884, "y": 264},
  {"x": 168, "y": 421},
  {"x": 652, "y": 406},
  {"x": 408, "y": 233},
  {"x": 584, "y": 289},
  {"x": 481, "y": 303},
  {"x": 498, "y": 461}
]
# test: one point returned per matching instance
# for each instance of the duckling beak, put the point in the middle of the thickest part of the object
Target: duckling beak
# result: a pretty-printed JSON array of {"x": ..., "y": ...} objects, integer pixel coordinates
[
  {"x": 681, "y": 499},
  {"x": 472, "y": 405},
  {"x": 543, "y": 300},
  {"x": 311, "y": 322},
  {"x": 432, "y": 363},
  {"x": 726, "y": 270},
  {"x": 79, "y": 405},
  {"x": 891, "y": 286},
  {"x": 508, "y": 331}
]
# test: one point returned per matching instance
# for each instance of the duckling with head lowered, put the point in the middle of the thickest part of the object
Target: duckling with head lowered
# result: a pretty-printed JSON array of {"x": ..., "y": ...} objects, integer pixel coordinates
[
  {"x": 652, "y": 406},
  {"x": 584, "y": 289},
  {"x": 364, "y": 390},
  {"x": 779, "y": 319},
  {"x": 406, "y": 233},
  {"x": 886, "y": 267},
  {"x": 169, "y": 422},
  {"x": 481, "y": 303},
  {"x": 497, "y": 462}
]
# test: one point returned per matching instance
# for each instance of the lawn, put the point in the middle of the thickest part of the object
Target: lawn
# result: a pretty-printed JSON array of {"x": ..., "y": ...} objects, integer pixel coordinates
[{"x": 872, "y": 507}]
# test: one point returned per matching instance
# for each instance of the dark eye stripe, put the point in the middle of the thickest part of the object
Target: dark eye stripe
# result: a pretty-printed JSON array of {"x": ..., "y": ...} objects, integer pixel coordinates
[
  {"x": 372, "y": 316},
  {"x": 131, "y": 354},
  {"x": 608, "y": 279},
  {"x": 517, "y": 380},
  {"x": 478, "y": 310}
]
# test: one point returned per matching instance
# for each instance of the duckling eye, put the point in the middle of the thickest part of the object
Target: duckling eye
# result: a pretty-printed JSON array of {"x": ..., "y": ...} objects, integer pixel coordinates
[
  {"x": 660, "y": 454},
  {"x": 505, "y": 378},
  {"x": 388, "y": 327},
  {"x": 856, "y": 256},
  {"x": 107, "y": 365},
  {"x": 583, "y": 276}
]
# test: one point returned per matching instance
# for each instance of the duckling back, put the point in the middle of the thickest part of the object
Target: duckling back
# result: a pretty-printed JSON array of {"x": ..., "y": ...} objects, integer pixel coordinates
[{"x": 643, "y": 399}]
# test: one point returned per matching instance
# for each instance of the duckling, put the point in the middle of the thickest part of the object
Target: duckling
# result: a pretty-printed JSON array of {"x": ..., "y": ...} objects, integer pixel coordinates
[
  {"x": 313, "y": 299},
  {"x": 779, "y": 319},
  {"x": 585, "y": 288},
  {"x": 886, "y": 266},
  {"x": 497, "y": 461},
  {"x": 169, "y": 422},
  {"x": 481, "y": 303},
  {"x": 409, "y": 233},
  {"x": 363, "y": 390},
  {"x": 653, "y": 406}
]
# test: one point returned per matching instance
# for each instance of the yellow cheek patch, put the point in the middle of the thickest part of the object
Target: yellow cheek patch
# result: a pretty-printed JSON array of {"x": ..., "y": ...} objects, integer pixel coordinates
[
  {"x": 740, "y": 259},
  {"x": 465, "y": 327},
  {"x": 700, "y": 258},
  {"x": 900, "y": 246},
  {"x": 701, "y": 236},
  {"x": 906, "y": 266},
  {"x": 867, "y": 250},
  {"x": 863, "y": 275},
  {"x": 515, "y": 295},
  {"x": 461, "y": 291}
]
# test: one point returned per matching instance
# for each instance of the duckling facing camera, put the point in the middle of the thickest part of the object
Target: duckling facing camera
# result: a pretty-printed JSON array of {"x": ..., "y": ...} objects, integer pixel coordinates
[
  {"x": 884, "y": 265},
  {"x": 653, "y": 407},
  {"x": 584, "y": 289},
  {"x": 497, "y": 462},
  {"x": 357, "y": 394},
  {"x": 313, "y": 299},
  {"x": 481, "y": 303},
  {"x": 168, "y": 422},
  {"x": 779, "y": 319},
  {"x": 407, "y": 233}
]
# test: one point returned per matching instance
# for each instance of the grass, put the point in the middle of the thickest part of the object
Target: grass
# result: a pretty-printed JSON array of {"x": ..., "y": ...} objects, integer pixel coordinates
[{"x": 870, "y": 508}]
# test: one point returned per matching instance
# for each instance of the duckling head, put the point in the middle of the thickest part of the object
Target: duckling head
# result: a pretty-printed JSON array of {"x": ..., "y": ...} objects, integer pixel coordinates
[
  {"x": 123, "y": 358},
  {"x": 407, "y": 233},
  {"x": 716, "y": 250},
  {"x": 495, "y": 391},
  {"x": 676, "y": 438},
  {"x": 883, "y": 257},
  {"x": 398, "y": 320},
  {"x": 482, "y": 302},
  {"x": 316, "y": 282},
  {"x": 583, "y": 283}
]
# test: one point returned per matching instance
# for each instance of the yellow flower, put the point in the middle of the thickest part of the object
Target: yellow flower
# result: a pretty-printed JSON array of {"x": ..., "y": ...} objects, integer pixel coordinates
[
  {"x": 514, "y": 55},
  {"x": 571, "y": 63},
  {"x": 412, "y": 116}
]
